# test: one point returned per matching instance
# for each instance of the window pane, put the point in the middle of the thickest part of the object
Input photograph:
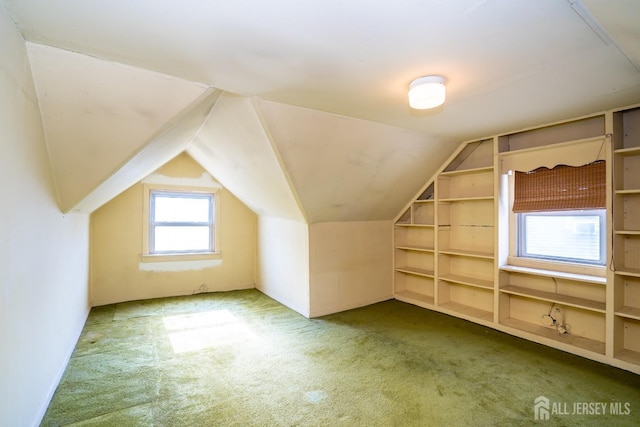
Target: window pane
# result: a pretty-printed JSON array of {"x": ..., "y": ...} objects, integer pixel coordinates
[
  {"x": 182, "y": 239},
  {"x": 569, "y": 237},
  {"x": 182, "y": 209}
]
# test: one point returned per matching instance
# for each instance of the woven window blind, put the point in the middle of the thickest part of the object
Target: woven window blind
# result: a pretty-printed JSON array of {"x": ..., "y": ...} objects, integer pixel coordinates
[{"x": 561, "y": 188}]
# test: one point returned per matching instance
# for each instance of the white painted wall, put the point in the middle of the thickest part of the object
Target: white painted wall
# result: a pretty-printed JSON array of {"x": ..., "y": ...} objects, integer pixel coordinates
[
  {"x": 282, "y": 270},
  {"x": 350, "y": 265},
  {"x": 43, "y": 253}
]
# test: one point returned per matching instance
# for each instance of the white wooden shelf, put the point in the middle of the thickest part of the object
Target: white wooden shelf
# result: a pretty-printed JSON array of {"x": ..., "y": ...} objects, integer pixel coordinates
[
  {"x": 416, "y": 271},
  {"x": 465, "y": 253},
  {"x": 415, "y": 248},
  {"x": 629, "y": 313},
  {"x": 467, "y": 171},
  {"x": 414, "y": 225},
  {"x": 574, "y": 340},
  {"x": 468, "y": 310},
  {"x": 465, "y": 199},
  {"x": 557, "y": 274},
  {"x": 567, "y": 300},
  {"x": 414, "y": 297},
  {"x": 629, "y": 356},
  {"x": 628, "y": 232},
  {"x": 632, "y": 151},
  {"x": 466, "y": 280},
  {"x": 631, "y": 272},
  {"x": 628, "y": 191}
]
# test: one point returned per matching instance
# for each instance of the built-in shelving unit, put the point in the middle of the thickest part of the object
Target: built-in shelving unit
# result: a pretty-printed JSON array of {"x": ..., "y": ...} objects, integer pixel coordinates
[
  {"x": 626, "y": 239},
  {"x": 414, "y": 259},
  {"x": 454, "y": 242}
]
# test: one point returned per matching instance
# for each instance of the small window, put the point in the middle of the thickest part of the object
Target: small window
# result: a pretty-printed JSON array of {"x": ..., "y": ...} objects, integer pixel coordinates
[
  {"x": 561, "y": 213},
  {"x": 569, "y": 236},
  {"x": 181, "y": 222}
]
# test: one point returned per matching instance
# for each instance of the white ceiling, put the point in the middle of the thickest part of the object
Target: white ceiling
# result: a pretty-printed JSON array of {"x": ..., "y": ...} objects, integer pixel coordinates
[{"x": 508, "y": 64}]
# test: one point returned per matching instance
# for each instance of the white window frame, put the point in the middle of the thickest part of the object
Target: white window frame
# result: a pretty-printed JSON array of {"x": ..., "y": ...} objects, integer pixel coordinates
[{"x": 148, "y": 256}]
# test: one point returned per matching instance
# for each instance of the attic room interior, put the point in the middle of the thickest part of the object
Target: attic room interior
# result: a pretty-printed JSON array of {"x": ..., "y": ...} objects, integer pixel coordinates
[{"x": 378, "y": 264}]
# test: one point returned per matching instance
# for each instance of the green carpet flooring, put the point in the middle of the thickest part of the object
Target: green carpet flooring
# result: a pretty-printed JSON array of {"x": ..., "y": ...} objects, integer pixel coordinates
[{"x": 241, "y": 359}]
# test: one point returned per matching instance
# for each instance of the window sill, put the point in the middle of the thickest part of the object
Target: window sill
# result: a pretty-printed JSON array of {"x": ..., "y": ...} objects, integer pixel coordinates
[
  {"x": 594, "y": 273},
  {"x": 205, "y": 256}
]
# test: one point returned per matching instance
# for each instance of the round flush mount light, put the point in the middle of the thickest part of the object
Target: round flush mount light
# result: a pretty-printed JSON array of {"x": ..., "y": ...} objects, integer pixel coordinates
[{"x": 426, "y": 92}]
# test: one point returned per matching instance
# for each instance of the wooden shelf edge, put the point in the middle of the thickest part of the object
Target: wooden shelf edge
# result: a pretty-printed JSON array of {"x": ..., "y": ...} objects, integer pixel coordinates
[
  {"x": 632, "y": 272},
  {"x": 629, "y": 356},
  {"x": 629, "y": 313},
  {"x": 415, "y": 248},
  {"x": 631, "y": 151},
  {"x": 467, "y": 281},
  {"x": 414, "y": 298},
  {"x": 467, "y": 311},
  {"x": 569, "y": 339},
  {"x": 557, "y": 274},
  {"x": 416, "y": 271},
  {"x": 465, "y": 199},
  {"x": 576, "y": 302},
  {"x": 472, "y": 254},
  {"x": 467, "y": 171},
  {"x": 628, "y": 232}
]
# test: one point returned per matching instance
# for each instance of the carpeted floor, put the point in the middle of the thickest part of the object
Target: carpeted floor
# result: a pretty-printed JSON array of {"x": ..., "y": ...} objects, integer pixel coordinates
[{"x": 242, "y": 359}]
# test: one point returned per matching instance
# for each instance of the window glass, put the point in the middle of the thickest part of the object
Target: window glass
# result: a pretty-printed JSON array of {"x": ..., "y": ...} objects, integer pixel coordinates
[
  {"x": 181, "y": 222},
  {"x": 571, "y": 236}
]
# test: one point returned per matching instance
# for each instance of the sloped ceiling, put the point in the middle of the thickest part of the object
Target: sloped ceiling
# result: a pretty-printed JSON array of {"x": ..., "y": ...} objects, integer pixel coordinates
[
  {"x": 233, "y": 146},
  {"x": 97, "y": 114},
  {"x": 325, "y": 120},
  {"x": 348, "y": 169}
]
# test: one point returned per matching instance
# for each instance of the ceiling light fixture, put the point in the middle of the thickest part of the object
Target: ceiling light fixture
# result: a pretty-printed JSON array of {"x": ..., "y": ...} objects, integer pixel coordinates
[{"x": 426, "y": 92}]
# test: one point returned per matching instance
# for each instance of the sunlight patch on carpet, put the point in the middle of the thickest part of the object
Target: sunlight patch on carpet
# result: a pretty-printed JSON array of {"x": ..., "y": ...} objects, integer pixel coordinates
[
  {"x": 197, "y": 331},
  {"x": 315, "y": 396}
]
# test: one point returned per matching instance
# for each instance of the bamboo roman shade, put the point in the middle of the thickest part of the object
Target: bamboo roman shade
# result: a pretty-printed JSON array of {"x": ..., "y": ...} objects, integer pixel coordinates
[{"x": 561, "y": 188}]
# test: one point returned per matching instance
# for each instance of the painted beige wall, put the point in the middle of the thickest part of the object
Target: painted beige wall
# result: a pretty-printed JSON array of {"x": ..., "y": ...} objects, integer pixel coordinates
[
  {"x": 43, "y": 253},
  {"x": 282, "y": 270},
  {"x": 117, "y": 273},
  {"x": 350, "y": 265}
]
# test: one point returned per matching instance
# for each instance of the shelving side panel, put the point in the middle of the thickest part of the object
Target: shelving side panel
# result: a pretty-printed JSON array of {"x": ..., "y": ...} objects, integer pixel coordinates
[
  {"x": 478, "y": 268},
  {"x": 477, "y": 184},
  {"x": 413, "y": 236},
  {"x": 581, "y": 323}
]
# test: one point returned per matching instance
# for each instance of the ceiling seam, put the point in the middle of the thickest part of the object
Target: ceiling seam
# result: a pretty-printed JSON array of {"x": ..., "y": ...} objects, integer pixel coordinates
[{"x": 267, "y": 131}]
